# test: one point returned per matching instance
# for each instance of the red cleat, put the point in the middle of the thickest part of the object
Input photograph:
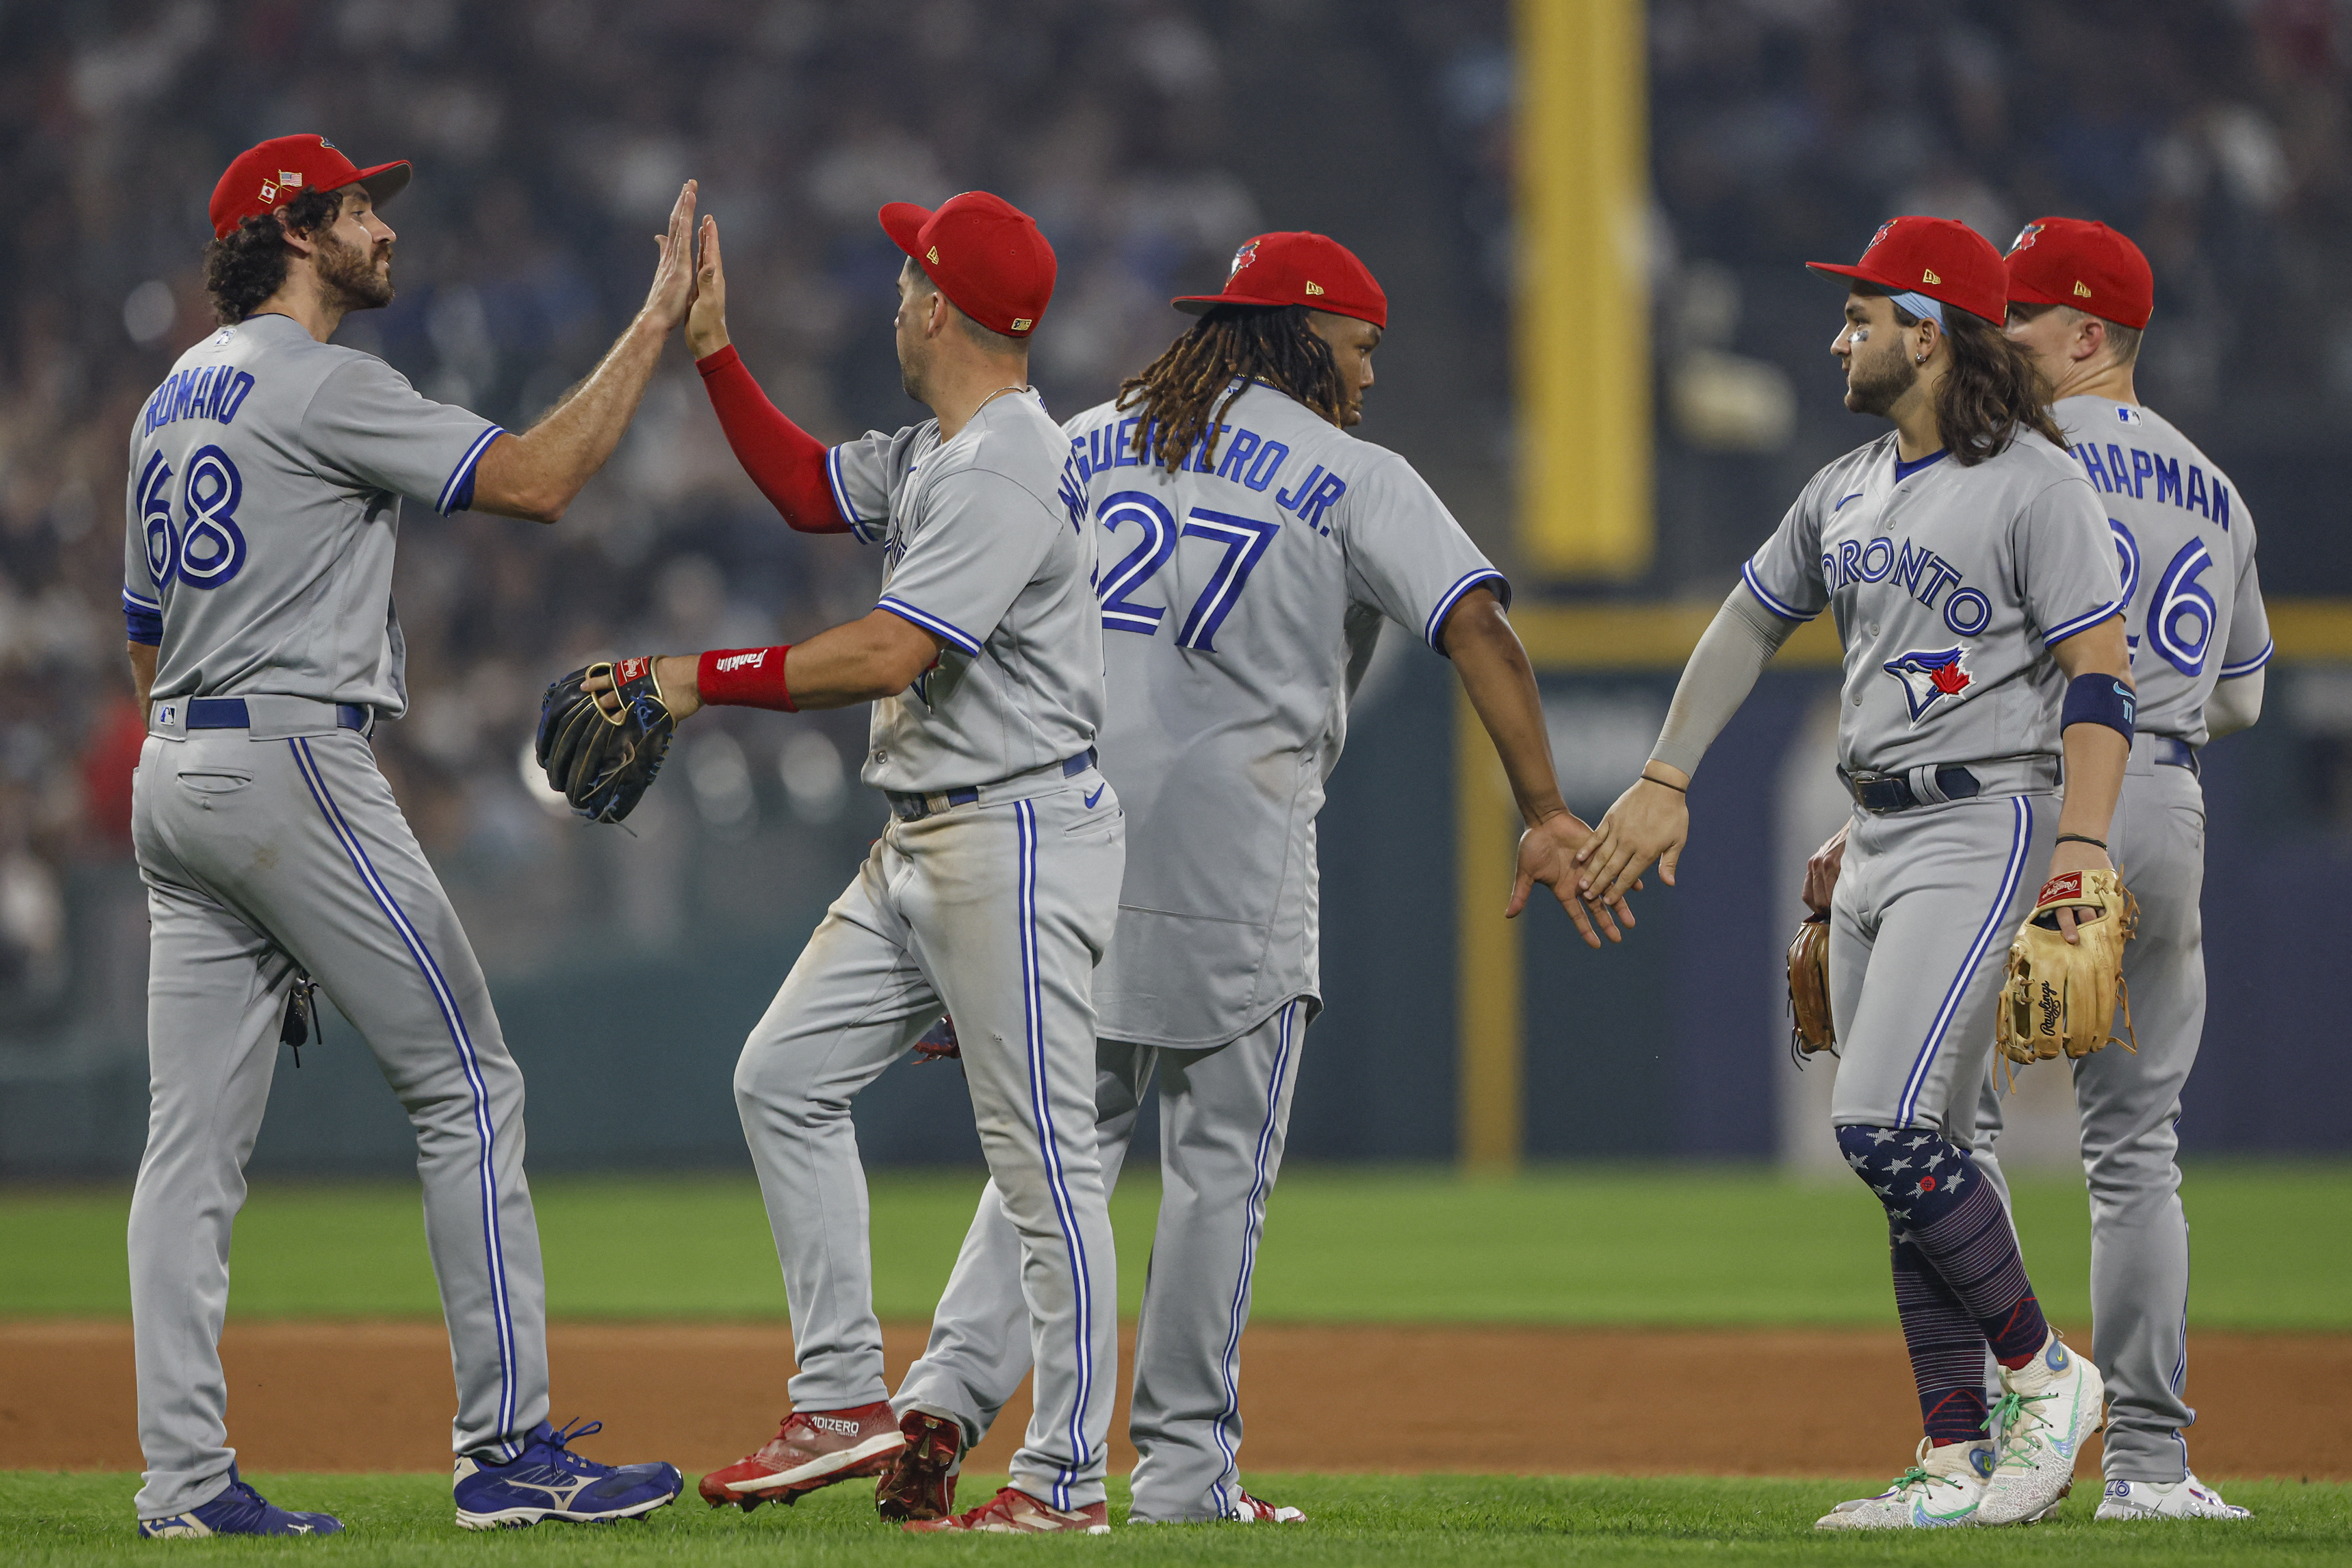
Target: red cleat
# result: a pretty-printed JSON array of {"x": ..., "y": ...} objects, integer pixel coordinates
[
  {"x": 920, "y": 1483},
  {"x": 1012, "y": 1512},
  {"x": 813, "y": 1448}
]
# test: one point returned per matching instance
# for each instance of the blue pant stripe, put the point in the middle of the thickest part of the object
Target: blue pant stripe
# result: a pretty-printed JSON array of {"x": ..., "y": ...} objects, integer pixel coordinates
[
  {"x": 2020, "y": 842},
  {"x": 1057, "y": 1181},
  {"x": 454, "y": 1020},
  {"x": 1253, "y": 1228}
]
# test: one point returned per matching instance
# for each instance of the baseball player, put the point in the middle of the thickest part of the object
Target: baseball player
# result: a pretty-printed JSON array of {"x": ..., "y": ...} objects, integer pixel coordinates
[
  {"x": 2079, "y": 294},
  {"x": 1253, "y": 549},
  {"x": 1969, "y": 564},
  {"x": 994, "y": 890},
  {"x": 266, "y": 480}
]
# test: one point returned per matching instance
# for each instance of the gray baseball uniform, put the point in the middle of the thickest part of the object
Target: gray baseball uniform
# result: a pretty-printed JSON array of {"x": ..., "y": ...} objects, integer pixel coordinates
[
  {"x": 266, "y": 478},
  {"x": 1241, "y": 599},
  {"x": 1949, "y": 586},
  {"x": 2195, "y": 618},
  {"x": 992, "y": 894}
]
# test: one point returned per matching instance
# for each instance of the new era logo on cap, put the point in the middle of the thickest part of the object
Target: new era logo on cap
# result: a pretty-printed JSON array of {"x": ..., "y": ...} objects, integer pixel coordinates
[
  {"x": 2073, "y": 262},
  {"x": 1273, "y": 269},
  {"x": 985, "y": 254},
  {"x": 266, "y": 177}
]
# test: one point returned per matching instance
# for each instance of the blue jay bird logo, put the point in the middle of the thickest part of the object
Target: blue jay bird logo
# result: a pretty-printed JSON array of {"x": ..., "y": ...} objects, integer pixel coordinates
[{"x": 1928, "y": 678}]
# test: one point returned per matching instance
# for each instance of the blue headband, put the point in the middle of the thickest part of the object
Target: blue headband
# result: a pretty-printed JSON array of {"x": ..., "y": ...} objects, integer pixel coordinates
[{"x": 1920, "y": 305}]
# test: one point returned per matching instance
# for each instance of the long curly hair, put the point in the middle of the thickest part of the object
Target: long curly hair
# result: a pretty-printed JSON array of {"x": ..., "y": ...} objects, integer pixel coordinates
[
  {"x": 249, "y": 264},
  {"x": 1991, "y": 392},
  {"x": 1187, "y": 389}
]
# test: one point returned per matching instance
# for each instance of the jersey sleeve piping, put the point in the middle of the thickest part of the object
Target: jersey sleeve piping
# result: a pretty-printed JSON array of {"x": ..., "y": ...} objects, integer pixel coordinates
[
  {"x": 2249, "y": 667},
  {"x": 459, "y": 486},
  {"x": 2058, "y": 634},
  {"x": 1432, "y": 628},
  {"x": 1748, "y": 575},
  {"x": 841, "y": 497},
  {"x": 930, "y": 623},
  {"x": 143, "y": 620}
]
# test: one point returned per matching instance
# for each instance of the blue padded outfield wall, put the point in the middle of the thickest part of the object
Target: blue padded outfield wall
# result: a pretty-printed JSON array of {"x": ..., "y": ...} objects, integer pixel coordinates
[{"x": 627, "y": 1020}]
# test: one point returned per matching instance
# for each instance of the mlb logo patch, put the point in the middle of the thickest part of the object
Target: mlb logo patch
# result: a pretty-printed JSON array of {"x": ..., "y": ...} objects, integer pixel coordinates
[
  {"x": 2127, "y": 416},
  {"x": 169, "y": 713}
]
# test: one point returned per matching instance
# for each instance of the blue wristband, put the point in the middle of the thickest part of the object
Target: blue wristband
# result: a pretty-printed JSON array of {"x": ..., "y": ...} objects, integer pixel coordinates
[{"x": 2098, "y": 699}]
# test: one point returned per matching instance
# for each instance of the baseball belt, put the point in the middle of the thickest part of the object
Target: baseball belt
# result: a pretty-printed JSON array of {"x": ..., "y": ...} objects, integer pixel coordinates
[{"x": 915, "y": 807}]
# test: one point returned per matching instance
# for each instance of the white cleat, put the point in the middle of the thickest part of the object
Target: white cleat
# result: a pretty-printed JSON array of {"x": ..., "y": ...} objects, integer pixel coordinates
[
  {"x": 2051, "y": 1404},
  {"x": 2188, "y": 1497},
  {"x": 1942, "y": 1489}
]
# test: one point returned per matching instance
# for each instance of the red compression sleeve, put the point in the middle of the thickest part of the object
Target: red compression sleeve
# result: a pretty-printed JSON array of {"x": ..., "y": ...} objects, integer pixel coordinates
[
  {"x": 745, "y": 678},
  {"x": 785, "y": 461}
]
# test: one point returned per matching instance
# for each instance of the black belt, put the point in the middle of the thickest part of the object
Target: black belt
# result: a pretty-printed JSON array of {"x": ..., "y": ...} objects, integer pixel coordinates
[
  {"x": 228, "y": 713},
  {"x": 915, "y": 807},
  {"x": 2173, "y": 752},
  {"x": 1879, "y": 794}
]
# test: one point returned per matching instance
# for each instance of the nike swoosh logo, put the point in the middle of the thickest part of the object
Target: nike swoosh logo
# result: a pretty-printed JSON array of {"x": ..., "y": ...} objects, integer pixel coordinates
[{"x": 1095, "y": 796}]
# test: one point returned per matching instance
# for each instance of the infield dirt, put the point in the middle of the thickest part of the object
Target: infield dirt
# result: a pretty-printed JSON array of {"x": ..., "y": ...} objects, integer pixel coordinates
[{"x": 1828, "y": 1401}]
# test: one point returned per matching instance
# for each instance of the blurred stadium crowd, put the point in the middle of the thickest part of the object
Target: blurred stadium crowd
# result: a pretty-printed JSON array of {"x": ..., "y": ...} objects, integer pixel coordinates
[{"x": 550, "y": 135}]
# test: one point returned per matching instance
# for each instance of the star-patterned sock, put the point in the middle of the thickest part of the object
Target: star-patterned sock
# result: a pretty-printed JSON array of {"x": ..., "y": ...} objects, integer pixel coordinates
[
  {"x": 1941, "y": 1205},
  {"x": 1946, "y": 1350}
]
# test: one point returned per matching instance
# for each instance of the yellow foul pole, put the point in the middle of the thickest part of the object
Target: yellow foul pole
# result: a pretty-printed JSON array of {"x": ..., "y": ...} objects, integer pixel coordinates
[{"x": 1583, "y": 320}]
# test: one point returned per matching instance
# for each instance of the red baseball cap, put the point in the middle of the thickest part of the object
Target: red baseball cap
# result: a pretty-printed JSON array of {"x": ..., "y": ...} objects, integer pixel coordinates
[
  {"x": 985, "y": 254},
  {"x": 267, "y": 177},
  {"x": 1938, "y": 256},
  {"x": 2073, "y": 261},
  {"x": 1297, "y": 267}
]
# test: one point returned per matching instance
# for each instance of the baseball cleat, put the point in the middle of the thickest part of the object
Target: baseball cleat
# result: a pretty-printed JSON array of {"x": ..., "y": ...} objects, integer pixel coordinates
[
  {"x": 921, "y": 1482},
  {"x": 2048, "y": 1406},
  {"x": 1247, "y": 1509},
  {"x": 239, "y": 1511},
  {"x": 2188, "y": 1497},
  {"x": 813, "y": 1448},
  {"x": 547, "y": 1480},
  {"x": 1015, "y": 1512},
  {"x": 1941, "y": 1490}
]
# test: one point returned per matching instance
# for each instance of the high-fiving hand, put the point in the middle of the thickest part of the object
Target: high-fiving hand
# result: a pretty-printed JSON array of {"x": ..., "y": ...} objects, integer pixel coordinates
[{"x": 1547, "y": 855}]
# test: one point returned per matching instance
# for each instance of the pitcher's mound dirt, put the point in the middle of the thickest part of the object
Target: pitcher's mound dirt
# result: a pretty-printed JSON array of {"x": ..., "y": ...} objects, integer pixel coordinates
[{"x": 378, "y": 1396}]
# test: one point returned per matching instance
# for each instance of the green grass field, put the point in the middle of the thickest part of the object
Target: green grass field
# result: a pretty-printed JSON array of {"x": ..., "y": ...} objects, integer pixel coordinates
[
  {"x": 1417, "y": 1522},
  {"x": 1688, "y": 1246},
  {"x": 1684, "y": 1245}
]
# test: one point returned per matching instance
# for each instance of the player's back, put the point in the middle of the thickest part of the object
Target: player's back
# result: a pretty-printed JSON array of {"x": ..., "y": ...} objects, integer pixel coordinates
[
  {"x": 2186, "y": 544},
  {"x": 1241, "y": 596},
  {"x": 265, "y": 481}
]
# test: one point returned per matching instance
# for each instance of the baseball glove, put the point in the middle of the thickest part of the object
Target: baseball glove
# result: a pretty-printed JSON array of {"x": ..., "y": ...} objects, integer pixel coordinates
[
  {"x": 1810, "y": 1028},
  {"x": 604, "y": 761},
  {"x": 2064, "y": 996}
]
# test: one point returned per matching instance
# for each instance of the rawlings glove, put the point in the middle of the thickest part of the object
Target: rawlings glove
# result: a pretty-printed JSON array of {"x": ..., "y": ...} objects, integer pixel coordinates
[
  {"x": 2059, "y": 996},
  {"x": 604, "y": 761},
  {"x": 1810, "y": 1028}
]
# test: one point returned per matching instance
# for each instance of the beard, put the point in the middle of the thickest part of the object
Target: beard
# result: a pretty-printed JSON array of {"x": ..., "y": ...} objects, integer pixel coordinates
[
  {"x": 350, "y": 277},
  {"x": 1875, "y": 383}
]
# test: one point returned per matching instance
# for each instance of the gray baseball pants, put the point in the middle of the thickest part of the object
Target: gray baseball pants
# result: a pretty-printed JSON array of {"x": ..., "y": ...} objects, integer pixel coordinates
[
  {"x": 1224, "y": 1113},
  {"x": 263, "y": 856},
  {"x": 998, "y": 912},
  {"x": 2139, "y": 1232},
  {"x": 1926, "y": 904}
]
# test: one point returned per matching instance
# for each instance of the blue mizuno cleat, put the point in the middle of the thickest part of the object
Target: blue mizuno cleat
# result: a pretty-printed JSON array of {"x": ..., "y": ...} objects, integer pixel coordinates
[
  {"x": 547, "y": 1480},
  {"x": 240, "y": 1510}
]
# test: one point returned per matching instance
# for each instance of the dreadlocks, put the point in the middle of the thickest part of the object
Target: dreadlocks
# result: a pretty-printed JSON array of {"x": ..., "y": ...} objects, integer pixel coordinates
[{"x": 1187, "y": 389}]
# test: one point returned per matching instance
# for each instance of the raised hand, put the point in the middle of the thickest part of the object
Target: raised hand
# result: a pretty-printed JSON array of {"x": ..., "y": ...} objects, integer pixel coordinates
[
  {"x": 673, "y": 286},
  {"x": 706, "y": 322}
]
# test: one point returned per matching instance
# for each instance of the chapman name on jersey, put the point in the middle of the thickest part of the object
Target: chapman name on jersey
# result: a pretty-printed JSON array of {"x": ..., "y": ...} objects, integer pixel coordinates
[{"x": 2194, "y": 605}]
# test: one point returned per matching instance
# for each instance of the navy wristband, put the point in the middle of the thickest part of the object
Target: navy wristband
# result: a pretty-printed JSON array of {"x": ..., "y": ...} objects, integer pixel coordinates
[{"x": 2098, "y": 699}]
